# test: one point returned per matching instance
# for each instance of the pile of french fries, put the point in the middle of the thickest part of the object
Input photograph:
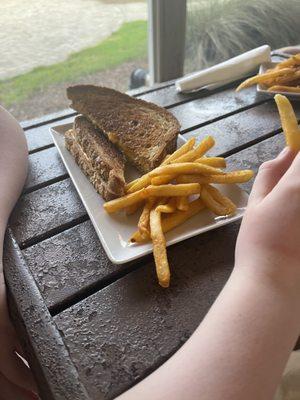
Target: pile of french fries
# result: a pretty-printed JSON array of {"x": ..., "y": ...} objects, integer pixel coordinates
[
  {"x": 289, "y": 122},
  {"x": 285, "y": 77},
  {"x": 175, "y": 191}
]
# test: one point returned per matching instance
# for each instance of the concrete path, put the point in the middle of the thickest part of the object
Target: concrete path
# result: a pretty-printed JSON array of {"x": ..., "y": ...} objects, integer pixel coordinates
[{"x": 44, "y": 32}]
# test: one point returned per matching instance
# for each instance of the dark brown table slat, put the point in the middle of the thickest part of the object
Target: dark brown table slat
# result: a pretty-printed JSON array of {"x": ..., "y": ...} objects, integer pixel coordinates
[
  {"x": 218, "y": 105},
  {"x": 45, "y": 210},
  {"x": 44, "y": 168},
  {"x": 62, "y": 268},
  {"x": 120, "y": 334},
  {"x": 242, "y": 129},
  {"x": 254, "y": 156},
  {"x": 169, "y": 97},
  {"x": 40, "y": 137},
  {"x": 48, "y": 118},
  {"x": 50, "y": 262},
  {"x": 123, "y": 332},
  {"x": 49, "y": 359}
]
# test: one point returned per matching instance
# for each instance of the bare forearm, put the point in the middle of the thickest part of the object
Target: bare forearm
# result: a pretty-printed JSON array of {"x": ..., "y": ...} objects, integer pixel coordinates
[
  {"x": 13, "y": 162},
  {"x": 13, "y": 167},
  {"x": 238, "y": 352}
]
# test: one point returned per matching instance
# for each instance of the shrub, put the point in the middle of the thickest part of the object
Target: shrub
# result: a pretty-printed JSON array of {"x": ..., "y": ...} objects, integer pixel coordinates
[{"x": 220, "y": 29}]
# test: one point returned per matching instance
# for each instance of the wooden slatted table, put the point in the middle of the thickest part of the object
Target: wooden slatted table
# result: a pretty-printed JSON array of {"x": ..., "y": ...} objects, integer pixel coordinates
[{"x": 90, "y": 327}]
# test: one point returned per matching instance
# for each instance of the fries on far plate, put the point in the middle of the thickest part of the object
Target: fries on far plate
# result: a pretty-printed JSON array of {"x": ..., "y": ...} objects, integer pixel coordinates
[
  {"x": 178, "y": 189},
  {"x": 284, "y": 77}
]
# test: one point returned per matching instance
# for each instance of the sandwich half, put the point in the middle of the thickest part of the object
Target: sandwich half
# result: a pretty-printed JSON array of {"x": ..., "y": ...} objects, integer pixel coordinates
[
  {"x": 143, "y": 131},
  {"x": 98, "y": 158}
]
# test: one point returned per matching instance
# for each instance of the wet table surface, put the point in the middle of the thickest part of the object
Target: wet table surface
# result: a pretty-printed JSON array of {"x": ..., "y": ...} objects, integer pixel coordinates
[{"x": 92, "y": 329}]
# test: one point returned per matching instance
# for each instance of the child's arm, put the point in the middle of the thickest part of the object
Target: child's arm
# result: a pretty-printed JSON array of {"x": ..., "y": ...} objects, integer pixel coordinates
[
  {"x": 240, "y": 349},
  {"x": 14, "y": 375}
]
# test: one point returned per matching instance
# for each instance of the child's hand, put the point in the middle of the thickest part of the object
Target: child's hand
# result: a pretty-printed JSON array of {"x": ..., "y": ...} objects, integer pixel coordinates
[
  {"x": 16, "y": 381},
  {"x": 268, "y": 244}
]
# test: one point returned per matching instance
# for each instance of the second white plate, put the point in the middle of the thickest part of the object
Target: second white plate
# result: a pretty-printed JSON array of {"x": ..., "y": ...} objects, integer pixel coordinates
[
  {"x": 115, "y": 230},
  {"x": 263, "y": 89}
]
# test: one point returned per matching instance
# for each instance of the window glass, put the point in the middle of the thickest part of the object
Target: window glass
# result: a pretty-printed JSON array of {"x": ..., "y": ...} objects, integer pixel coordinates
[
  {"x": 47, "y": 45},
  {"x": 220, "y": 29}
]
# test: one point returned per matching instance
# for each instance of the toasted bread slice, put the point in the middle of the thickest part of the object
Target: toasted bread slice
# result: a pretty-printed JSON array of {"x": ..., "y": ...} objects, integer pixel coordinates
[
  {"x": 145, "y": 132},
  {"x": 99, "y": 159}
]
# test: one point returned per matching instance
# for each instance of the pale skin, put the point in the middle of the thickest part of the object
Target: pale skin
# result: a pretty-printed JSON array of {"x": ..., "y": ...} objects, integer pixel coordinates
[{"x": 16, "y": 381}]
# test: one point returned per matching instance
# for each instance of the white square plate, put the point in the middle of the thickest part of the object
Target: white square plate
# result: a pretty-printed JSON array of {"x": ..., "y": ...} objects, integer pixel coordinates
[
  {"x": 115, "y": 230},
  {"x": 263, "y": 89}
]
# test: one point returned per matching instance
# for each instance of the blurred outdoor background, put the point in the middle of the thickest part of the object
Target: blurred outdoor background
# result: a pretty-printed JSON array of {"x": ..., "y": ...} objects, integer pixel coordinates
[{"x": 49, "y": 45}]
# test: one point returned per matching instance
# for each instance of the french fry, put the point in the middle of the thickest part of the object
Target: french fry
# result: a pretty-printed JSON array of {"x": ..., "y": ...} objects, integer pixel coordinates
[
  {"x": 182, "y": 203},
  {"x": 139, "y": 184},
  {"x": 181, "y": 151},
  {"x": 229, "y": 206},
  {"x": 144, "y": 224},
  {"x": 162, "y": 179},
  {"x": 173, "y": 220},
  {"x": 133, "y": 208},
  {"x": 186, "y": 168},
  {"x": 229, "y": 177},
  {"x": 202, "y": 148},
  {"x": 217, "y": 162},
  {"x": 211, "y": 203},
  {"x": 125, "y": 201},
  {"x": 263, "y": 77},
  {"x": 145, "y": 180},
  {"x": 285, "y": 79},
  {"x": 289, "y": 122},
  {"x": 290, "y": 62},
  {"x": 168, "y": 208},
  {"x": 159, "y": 249},
  {"x": 185, "y": 189},
  {"x": 281, "y": 88}
]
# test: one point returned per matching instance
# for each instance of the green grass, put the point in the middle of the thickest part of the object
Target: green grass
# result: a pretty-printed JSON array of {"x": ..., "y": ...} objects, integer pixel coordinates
[
  {"x": 126, "y": 44},
  {"x": 220, "y": 29}
]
